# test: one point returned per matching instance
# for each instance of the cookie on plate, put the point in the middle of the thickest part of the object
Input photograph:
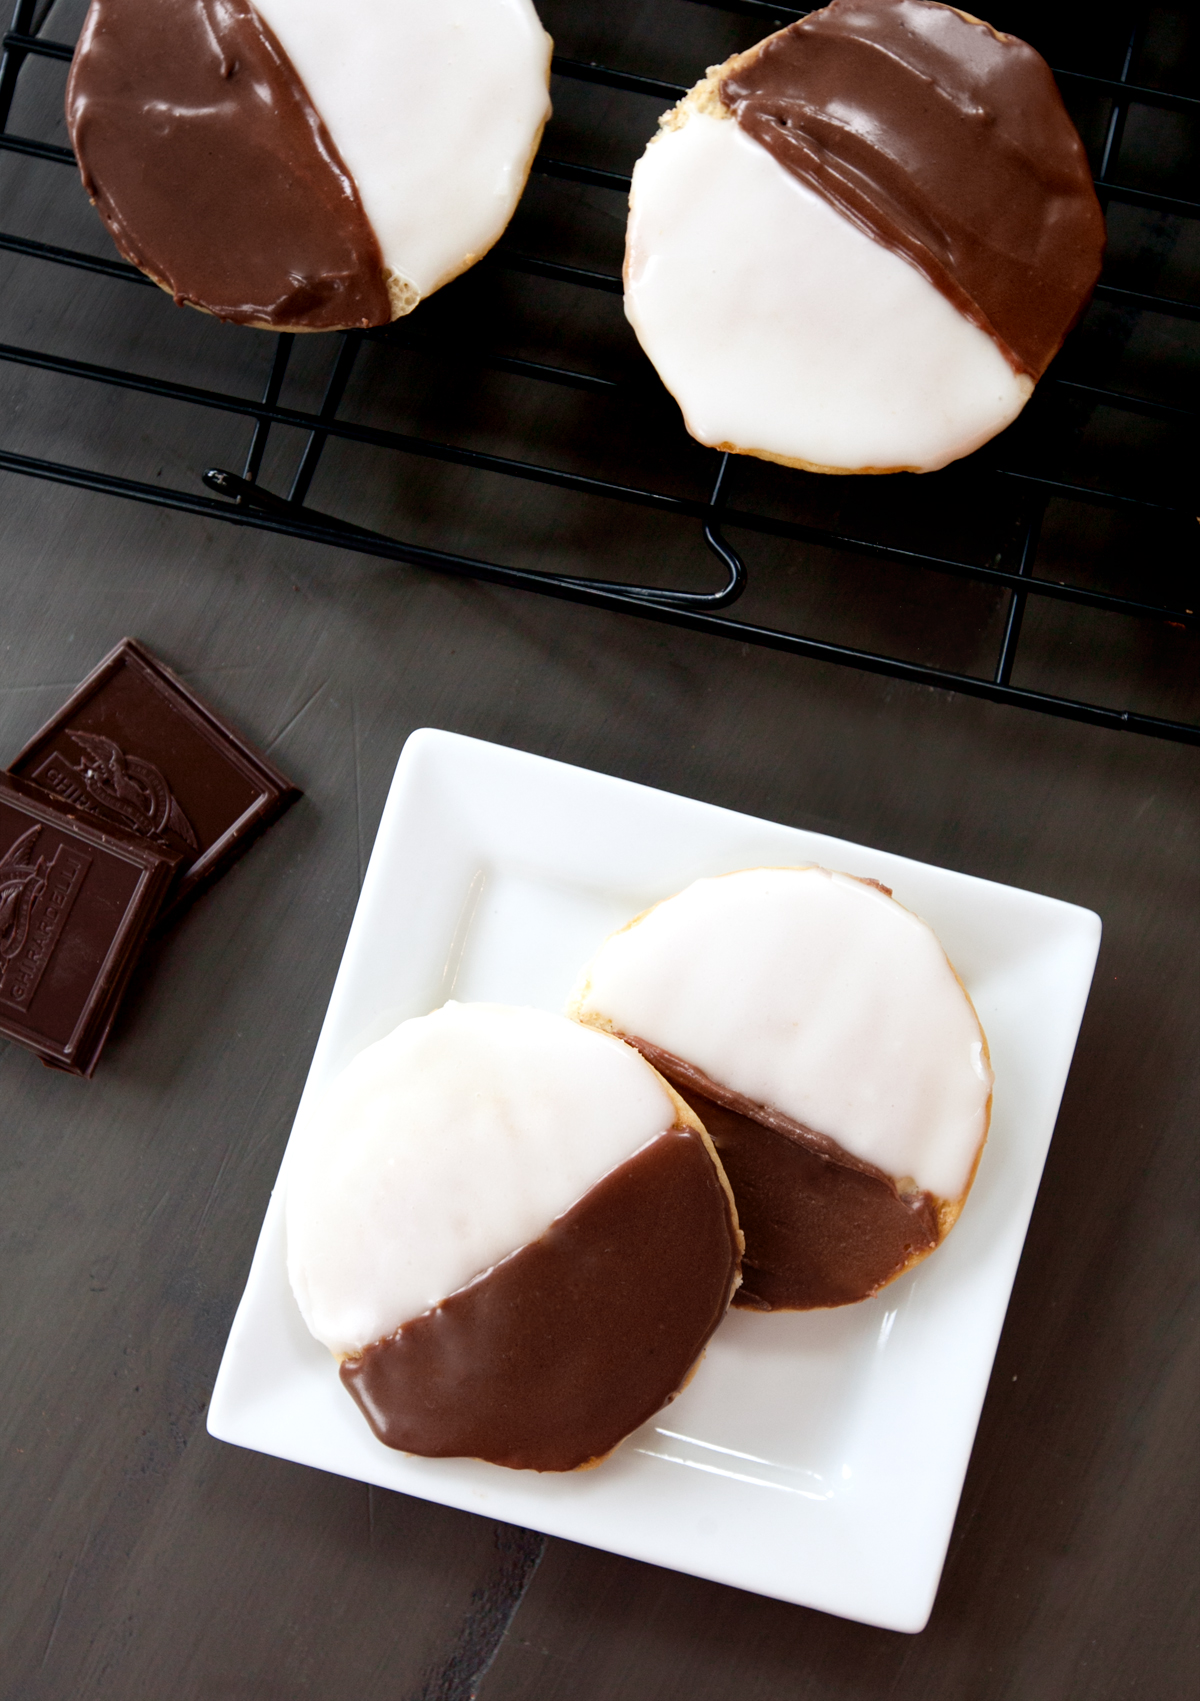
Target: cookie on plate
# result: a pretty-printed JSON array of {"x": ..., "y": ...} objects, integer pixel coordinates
[
  {"x": 512, "y": 1233},
  {"x": 818, "y": 1029},
  {"x": 856, "y": 247},
  {"x": 303, "y": 166}
]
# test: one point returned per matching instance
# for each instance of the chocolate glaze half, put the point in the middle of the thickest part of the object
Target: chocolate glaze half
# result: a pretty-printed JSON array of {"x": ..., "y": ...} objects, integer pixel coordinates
[
  {"x": 822, "y": 1227},
  {"x": 946, "y": 142},
  {"x": 546, "y": 1362},
  {"x": 818, "y": 1232},
  {"x": 214, "y": 172}
]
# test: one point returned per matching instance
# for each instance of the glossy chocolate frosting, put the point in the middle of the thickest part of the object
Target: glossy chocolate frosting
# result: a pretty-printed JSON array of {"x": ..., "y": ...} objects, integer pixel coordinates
[
  {"x": 822, "y": 1227},
  {"x": 818, "y": 1232},
  {"x": 546, "y": 1362},
  {"x": 214, "y": 172},
  {"x": 946, "y": 142}
]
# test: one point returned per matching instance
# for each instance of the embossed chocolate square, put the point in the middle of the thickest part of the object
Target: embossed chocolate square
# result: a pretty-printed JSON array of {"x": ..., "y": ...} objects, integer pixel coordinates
[
  {"x": 135, "y": 748},
  {"x": 76, "y": 901}
]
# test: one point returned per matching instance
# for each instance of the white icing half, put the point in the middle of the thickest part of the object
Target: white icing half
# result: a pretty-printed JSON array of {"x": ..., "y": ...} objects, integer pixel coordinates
[
  {"x": 436, "y": 107},
  {"x": 782, "y": 329},
  {"x": 819, "y": 996},
  {"x": 446, "y": 1146}
]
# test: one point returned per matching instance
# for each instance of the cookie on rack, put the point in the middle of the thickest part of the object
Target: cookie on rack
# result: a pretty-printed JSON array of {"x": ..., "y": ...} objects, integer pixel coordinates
[
  {"x": 301, "y": 166},
  {"x": 513, "y": 1234},
  {"x": 856, "y": 247},
  {"x": 817, "y": 1028}
]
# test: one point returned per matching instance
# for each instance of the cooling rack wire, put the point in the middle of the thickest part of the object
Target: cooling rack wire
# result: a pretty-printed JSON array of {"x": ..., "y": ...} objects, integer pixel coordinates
[{"x": 1012, "y": 494}]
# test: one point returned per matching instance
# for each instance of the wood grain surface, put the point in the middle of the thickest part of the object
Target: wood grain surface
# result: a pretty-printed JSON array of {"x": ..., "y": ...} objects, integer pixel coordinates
[
  {"x": 142, "y": 1558},
  {"x": 143, "y": 1561}
]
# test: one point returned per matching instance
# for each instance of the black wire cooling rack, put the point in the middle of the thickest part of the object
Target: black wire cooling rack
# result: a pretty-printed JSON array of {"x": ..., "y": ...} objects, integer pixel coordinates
[{"x": 1011, "y": 482}]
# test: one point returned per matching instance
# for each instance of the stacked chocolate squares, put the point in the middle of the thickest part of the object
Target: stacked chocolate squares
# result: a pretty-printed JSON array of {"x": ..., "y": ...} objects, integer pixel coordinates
[{"x": 112, "y": 818}]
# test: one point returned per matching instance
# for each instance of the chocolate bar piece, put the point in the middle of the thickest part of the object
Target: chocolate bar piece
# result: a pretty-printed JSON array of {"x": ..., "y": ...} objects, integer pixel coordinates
[
  {"x": 76, "y": 902},
  {"x": 134, "y": 748}
]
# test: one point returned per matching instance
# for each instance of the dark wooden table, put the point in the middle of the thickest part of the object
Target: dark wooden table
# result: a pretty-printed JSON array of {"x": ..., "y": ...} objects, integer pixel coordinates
[{"x": 142, "y": 1560}]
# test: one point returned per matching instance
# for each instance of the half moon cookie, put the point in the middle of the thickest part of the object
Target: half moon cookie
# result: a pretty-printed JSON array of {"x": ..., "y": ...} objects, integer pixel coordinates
[
  {"x": 819, "y": 1030},
  {"x": 856, "y": 247},
  {"x": 303, "y": 166},
  {"x": 513, "y": 1234}
]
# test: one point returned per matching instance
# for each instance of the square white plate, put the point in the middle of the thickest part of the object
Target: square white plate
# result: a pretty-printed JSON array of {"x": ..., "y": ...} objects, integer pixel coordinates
[{"x": 816, "y": 1457}]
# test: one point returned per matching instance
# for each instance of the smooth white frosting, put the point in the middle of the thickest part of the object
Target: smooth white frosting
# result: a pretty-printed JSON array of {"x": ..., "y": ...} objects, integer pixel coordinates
[
  {"x": 435, "y": 106},
  {"x": 781, "y": 328},
  {"x": 446, "y": 1146},
  {"x": 819, "y": 996}
]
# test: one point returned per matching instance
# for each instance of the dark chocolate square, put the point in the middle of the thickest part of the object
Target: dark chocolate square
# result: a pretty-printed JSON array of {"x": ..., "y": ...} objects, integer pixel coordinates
[
  {"x": 76, "y": 902},
  {"x": 135, "y": 748}
]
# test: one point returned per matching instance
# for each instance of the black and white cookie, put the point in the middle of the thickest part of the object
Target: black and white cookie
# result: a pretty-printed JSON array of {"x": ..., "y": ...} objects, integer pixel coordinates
[
  {"x": 302, "y": 165},
  {"x": 856, "y": 247},
  {"x": 513, "y": 1234},
  {"x": 818, "y": 1029}
]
